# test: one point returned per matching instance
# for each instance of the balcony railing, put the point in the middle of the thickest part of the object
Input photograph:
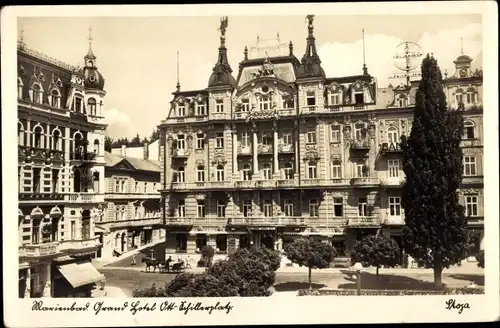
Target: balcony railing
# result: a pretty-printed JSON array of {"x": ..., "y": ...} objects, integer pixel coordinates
[
  {"x": 217, "y": 184},
  {"x": 309, "y": 109},
  {"x": 141, "y": 222},
  {"x": 39, "y": 250},
  {"x": 72, "y": 246},
  {"x": 265, "y": 149},
  {"x": 84, "y": 198},
  {"x": 475, "y": 180},
  {"x": 394, "y": 220},
  {"x": 179, "y": 221},
  {"x": 179, "y": 153},
  {"x": 292, "y": 221},
  {"x": 312, "y": 182},
  {"x": 210, "y": 222},
  {"x": 263, "y": 221},
  {"x": 393, "y": 181},
  {"x": 240, "y": 115},
  {"x": 471, "y": 143},
  {"x": 83, "y": 156},
  {"x": 136, "y": 195},
  {"x": 244, "y": 184},
  {"x": 217, "y": 116},
  {"x": 360, "y": 144},
  {"x": 364, "y": 221},
  {"x": 40, "y": 197},
  {"x": 364, "y": 181},
  {"x": 238, "y": 221},
  {"x": 244, "y": 150},
  {"x": 286, "y": 148},
  {"x": 265, "y": 183},
  {"x": 289, "y": 183}
]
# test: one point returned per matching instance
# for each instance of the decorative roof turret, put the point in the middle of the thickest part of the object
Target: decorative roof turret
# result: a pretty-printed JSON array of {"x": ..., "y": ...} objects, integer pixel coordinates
[
  {"x": 221, "y": 75},
  {"x": 93, "y": 79},
  {"x": 310, "y": 63}
]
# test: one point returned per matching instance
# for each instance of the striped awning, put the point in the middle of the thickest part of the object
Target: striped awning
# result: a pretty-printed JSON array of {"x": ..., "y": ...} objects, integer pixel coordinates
[{"x": 80, "y": 274}]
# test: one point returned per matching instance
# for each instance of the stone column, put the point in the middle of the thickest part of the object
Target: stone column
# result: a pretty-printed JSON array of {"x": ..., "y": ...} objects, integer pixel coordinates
[
  {"x": 28, "y": 133},
  {"x": 48, "y": 138},
  {"x": 47, "y": 279},
  {"x": 235, "y": 151},
  {"x": 255, "y": 162},
  {"x": 275, "y": 149},
  {"x": 27, "y": 290}
]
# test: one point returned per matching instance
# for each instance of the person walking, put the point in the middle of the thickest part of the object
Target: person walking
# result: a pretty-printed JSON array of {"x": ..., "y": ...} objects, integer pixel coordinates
[{"x": 133, "y": 260}]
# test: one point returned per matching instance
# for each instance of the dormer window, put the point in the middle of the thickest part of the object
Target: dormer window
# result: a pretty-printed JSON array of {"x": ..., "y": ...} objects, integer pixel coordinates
[
  {"x": 401, "y": 101},
  {"x": 55, "y": 99},
  {"x": 181, "y": 110},
  {"x": 36, "y": 93},
  {"x": 311, "y": 99},
  {"x": 219, "y": 106},
  {"x": 335, "y": 99},
  {"x": 201, "y": 110},
  {"x": 78, "y": 105},
  {"x": 245, "y": 105},
  {"x": 264, "y": 103},
  {"x": 92, "y": 106},
  {"x": 359, "y": 98}
]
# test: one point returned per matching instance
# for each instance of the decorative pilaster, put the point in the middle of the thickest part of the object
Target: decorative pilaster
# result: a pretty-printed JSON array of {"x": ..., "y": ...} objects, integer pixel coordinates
[
  {"x": 27, "y": 290},
  {"x": 275, "y": 149},
  {"x": 235, "y": 151},
  {"x": 28, "y": 132},
  {"x": 255, "y": 162}
]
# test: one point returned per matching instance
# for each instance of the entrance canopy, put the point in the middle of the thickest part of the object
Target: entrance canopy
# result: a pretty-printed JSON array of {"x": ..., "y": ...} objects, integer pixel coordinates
[{"x": 80, "y": 274}]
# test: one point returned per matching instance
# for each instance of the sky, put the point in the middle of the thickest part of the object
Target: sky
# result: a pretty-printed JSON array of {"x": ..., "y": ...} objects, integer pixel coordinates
[{"x": 138, "y": 55}]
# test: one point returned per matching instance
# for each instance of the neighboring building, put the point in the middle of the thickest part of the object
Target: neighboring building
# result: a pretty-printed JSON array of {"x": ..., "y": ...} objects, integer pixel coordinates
[
  {"x": 133, "y": 216},
  {"x": 61, "y": 134},
  {"x": 147, "y": 151},
  {"x": 282, "y": 151}
]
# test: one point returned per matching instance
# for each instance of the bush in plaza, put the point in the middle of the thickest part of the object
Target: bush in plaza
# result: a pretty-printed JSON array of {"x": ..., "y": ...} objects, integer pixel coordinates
[
  {"x": 178, "y": 283},
  {"x": 152, "y": 291},
  {"x": 435, "y": 232},
  {"x": 311, "y": 253},
  {"x": 376, "y": 250},
  {"x": 480, "y": 259},
  {"x": 207, "y": 285},
  {"x": 271, "y": 257}
]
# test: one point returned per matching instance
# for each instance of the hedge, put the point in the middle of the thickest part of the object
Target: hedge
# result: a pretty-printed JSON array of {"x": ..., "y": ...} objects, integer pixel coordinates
[{"x": 337, "y": 292}]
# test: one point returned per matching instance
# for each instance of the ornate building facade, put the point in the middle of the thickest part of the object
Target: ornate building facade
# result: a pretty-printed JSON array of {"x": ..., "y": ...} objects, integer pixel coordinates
[
  {"x": 61, "y": 163},
  {"x": 133, "y": 216},
  {"x": 283, "y": 151}
]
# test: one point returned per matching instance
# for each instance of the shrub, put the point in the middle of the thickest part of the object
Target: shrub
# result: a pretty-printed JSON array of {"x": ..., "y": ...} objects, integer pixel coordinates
[
  {"x": 178, "y": 283},
  {"x": 207, "y": 254},
  {"x": 480, "y": 259},
  {"x": 202, "y": 263},
  {"x": 270, "y": 257},
  {"x": 376, "y": 250},
  {"x": 149, "y": 292}
]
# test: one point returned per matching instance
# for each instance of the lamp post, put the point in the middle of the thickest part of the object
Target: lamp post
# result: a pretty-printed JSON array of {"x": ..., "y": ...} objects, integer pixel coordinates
[{"x": 358, "y": 266}]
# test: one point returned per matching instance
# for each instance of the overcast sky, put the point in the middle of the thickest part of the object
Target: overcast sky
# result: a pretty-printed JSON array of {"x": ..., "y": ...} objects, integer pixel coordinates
[{"x": 137, "y": 56}]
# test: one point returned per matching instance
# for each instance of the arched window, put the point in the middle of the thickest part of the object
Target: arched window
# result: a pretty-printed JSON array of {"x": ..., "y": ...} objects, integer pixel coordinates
[
  {"x": 288, "y": 170},
  {"x": 392, "y": 135},
  {"x": 20, "y": 134},
  {"x": 55, "y": 99},
  {"x": 468, "y": 130},
  {"x": 311, "y": 170},
  {"x": 401, "y": 100},
  {"x": 246, "y": 172},
  {"x": 96, "y": 147},
  {"x": 38, "y": 137},
  {"x": 220, "y": 173},
  {"x": 77, "y": 142},
  {"x": 200, "y": 173},
  {"x": 267, "y": 172},
  {"x": 36, "y": 93},
  {"x": 181, "y": 174},
  {"x": 56, "y": 139},
  {"x": 92, "y": 106}
]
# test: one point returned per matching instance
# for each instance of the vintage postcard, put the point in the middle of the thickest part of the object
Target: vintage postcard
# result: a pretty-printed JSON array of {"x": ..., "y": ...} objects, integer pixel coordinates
[{"x": 250, "y": 164}]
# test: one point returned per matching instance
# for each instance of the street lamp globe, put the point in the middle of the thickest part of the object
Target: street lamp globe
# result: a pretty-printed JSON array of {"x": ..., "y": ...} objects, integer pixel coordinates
[{"x": 358, "y": 266}]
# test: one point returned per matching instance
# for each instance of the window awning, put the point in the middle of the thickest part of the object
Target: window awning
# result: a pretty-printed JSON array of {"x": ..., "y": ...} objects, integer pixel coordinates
[{"x": 80, "y": 274}]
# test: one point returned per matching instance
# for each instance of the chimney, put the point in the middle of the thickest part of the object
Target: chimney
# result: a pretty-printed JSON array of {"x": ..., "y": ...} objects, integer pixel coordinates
[
  {"x": 124, "y": 150},
  {"x": 146, "y": 150}
]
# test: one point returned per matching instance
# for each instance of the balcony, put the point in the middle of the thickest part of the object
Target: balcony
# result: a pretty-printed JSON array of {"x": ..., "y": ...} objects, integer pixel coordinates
[
  {"x": 240, "y": 115},
  {"x": 180, "y": 153},
  {"x": 265, "y": 184},
  {"x": 309, "y": 109},
  {"x": 363, "y": 221},
  {"x": 471, "y": 143},
  {"x": 187, "y": 119},
  {"x": 312, "y": 182},
  {"x": 83, "y": 157},
  {"x": 265, "y": 149},
  {"x": 39, "y": 250},
  {"x": 178, "y": 185},
  {"x": 209, "y": 222},
  {"x": 244, "y": 184},
  {"x": 338, "y": 182},
  {"x": 47, "y": 197},
  {"x": 73, "y": 247},
  {"x": 393, "y": 181},
  {"x": 217, "y": 184},
  {"x": 244, "y": 150},
  {"x": 286, "y": 183},
  {"x": 84, "y": 198},
  {"x": 286, "y": 112},
  {"x": 394, "y": 220},
  {"x": 292, "y": 221},
  {"x": 136, "y": 195},
  {"x": 217, "y": 116},
  {"x": 177, "y": 221},
  {"x": 263, "y": 221},
  {"x": 238, "y": 221},
  {"x": 392, "y": 147},
  {"x": 360, "y": 145},
  {"x": 286, "y": 149},
  {"x": 473, "y": 180},
  {"x": 142, "y": 222},
  {"x": 365, "y": 181}
]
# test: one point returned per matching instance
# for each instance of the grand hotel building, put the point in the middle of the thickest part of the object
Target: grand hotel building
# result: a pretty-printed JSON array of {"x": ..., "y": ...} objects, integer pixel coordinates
[
  {"x": 283, "y": 151},
  {"x": 61, "y": 164}
]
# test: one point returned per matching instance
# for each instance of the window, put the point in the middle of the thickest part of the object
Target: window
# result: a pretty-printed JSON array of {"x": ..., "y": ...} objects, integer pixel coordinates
[
  {"x": 362, "y": 207},
  {"x": 469, "y": 165},
  {"x": 181, "y": 208},
  {"x": 471, "y": 97},
  {"x": 264, "y": 103},
  {"x": 55, "y": 181},
  {"x": 335, "y": 134},
  {"x": 335, "y": 99},
  {"x": 246, "y": 173},
  {"x": 221, "y": 209},
  {"x": 181, "y": 111},
  {"x": 91, "y": 104},
  {"x": 86, "y": 228},
  {"x": 247, "y": 208},
  {"x": 288, "y": 103},
  {"x": 311, "y": 170},
  {"x": 245, "y": 139},
  {"x": 359, "y": 98},
  {"x": 336, "y": 171},
  {"x": 311, "y": 136},
  {"x": 219, "y": 140},
  {"x": 200, "y": 110},
  {"x": 338, "y": 207},
  {"x": 310, "y": 99},
  {"x": 288, "y": 170},
  {"x": 37, "y": 180},
  {"x": 267, "y": 172},
  {"x": 219, "y": 106},
  {"x": 359, "y": 132},
  {"x": 267, "y": 140},
  {"x": 468, "y": 130},
  {"x": 470, "y": 206},
  {"x": 56, "y": 140},
  {"x": 201, "y": 208},
  {"x": 393, "y": 167},
  {"x": 200, "y": 141},
  {"x": 55, "y": 99},
  {"x": 392, "y": 135},
  {"x": 154, "y": 187},
  {"x": 221, "y": 242},
  {"x": 181, "y": 142},
  {"x": 78, "y": 105},
  {"x": 287, "y": 138},
  {"x": 137, "y": 188},
  {"x": 459, "y": 97},
  {"x": 313, "y": 207},
  {"x": 201, "y": 241},
  {"x": 20, "y": 134},
  {"x": 200, "y": 173},
  {"x": 117, "y": 186},
  {"x": 394, "y": 206},
  {"x": 37, "y": 136},
  {"x": 123, "y": 186},
  {"x": 267, "y": 207},
  {"x": 37, "y": 93},
  {"x": 220, "y": 173},
  {"x": 288, "y": 207},
  {"x": 181, "y": 174},
  {"x": 361, "y": 170},
  {"x": 73, "y": 230},
  {"x": 245, "y": 105}
]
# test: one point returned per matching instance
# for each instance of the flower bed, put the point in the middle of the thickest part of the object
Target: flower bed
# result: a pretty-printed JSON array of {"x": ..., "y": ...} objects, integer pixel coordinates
[{"x": 337, "y": 292}]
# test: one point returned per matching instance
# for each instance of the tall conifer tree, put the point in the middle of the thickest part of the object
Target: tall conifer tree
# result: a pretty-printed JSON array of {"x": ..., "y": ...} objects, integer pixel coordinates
[{"x": 435, "y": 233}]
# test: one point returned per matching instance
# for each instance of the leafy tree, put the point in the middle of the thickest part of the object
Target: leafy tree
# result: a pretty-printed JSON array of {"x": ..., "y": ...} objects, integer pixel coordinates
[
  {"x": 155, "y": 135},
  {"x": 207, "y": 255},
  {"x": 108, "y": 143},
  {"x": 310, "y": 253},
  {"x": 376, "y": 250},
  {"x": 480, "y": 259},
  {"x": 179, "y": 282},
  {"x": 435, "y": 233}
]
